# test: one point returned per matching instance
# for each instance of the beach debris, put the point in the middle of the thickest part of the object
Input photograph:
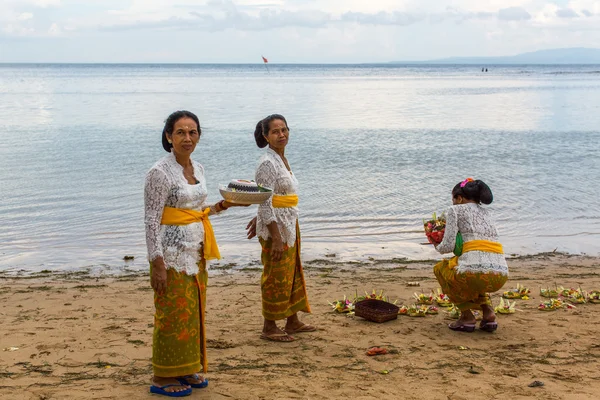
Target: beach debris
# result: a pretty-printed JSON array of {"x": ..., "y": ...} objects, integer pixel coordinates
[
  {"x": 554, "y": 304},
  {"x": 521, "y": 292},
  {"x": 536, "y": 384},
  {"x": 384, "y": 372},
  {"x": 128, "y": 258},
  {"x": 473, "y": 370},
  {"x": 442, "y": 299},
  {"x": 376, "y": 351},
  {"x": 423, "y": 298},
  {"x": 463, "y": 348},
  {"x": 505, "y": 307},
  {"x": 549, "y": 293},
  {"x": 11, "y": 348},
  {"x": 594, "y": 297},
  {"x": 413, "y": 284}
]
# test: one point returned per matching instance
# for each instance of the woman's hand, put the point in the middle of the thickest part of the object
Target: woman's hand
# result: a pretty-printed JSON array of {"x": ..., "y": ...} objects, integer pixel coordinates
[
  {"x": 158, "y": 280},
  {"x": 251, "y": 228},
  {"x": 227, "y": 204},
  {"x": 276, "y": 249}
]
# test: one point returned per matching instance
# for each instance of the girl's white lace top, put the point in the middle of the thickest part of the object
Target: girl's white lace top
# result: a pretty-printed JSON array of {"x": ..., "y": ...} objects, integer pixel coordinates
[
  {"x": 272, "y": 173},
  {"x": 166, "y": 186},
  {"x": 474, "y": 223}
]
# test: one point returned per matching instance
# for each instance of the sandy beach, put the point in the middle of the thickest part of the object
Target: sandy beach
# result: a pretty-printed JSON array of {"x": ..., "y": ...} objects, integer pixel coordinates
[{"x": 75, "y": 336}]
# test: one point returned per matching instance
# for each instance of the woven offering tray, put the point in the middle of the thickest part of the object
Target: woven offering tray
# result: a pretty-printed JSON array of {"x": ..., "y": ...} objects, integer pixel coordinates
[
  {"x": 376, "y": 310},
  {"x": 240, "y": 197}
]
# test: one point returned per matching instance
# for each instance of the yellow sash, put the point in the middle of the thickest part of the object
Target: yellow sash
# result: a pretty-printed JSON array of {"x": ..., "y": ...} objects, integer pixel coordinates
[
  {"x": 483, "y": 245},
  {"x": 290, "y": 200},
  {"x": 181, "y": 216},
  {"x": 477, "y": 245}
]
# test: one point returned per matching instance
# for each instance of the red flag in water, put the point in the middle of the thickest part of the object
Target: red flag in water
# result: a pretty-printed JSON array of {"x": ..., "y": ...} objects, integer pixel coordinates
[{"x": 265, "y": 60}]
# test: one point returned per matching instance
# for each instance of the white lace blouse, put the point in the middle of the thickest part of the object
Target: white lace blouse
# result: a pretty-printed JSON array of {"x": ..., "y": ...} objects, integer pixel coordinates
[
  {"x": 272, "y": 172},
  {"x": 474, "y": 223},
  {"x": 166, "y": 186}
]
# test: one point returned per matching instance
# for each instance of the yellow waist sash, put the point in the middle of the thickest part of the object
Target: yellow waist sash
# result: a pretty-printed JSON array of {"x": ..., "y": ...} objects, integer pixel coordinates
[
  {"x": 477, "y": 245},
  {"x": 181, "y": 216},
  {"x": 483, "y": 245},
  {"x": 291, "y": 200}
]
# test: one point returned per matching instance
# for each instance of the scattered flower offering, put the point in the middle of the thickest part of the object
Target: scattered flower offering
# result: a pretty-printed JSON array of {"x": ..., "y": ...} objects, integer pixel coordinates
[
  {"x": 432, "y": 310},
  {"x": 549, "y": 293},
  {"x": 578, "y": 297},
  {"x": 342, "y": 306},
  {"x": 519, "y": 293},
  {"x": 594, "y": 297},
  {"x": 417, "y": 311},
  {"x": 442, "y": 299},
  {"x": 434, "y": 228},
  {"x": 505, "y": 307},
  {"x": 566, "y": 292},
  {"x": 554, "y": 304},
  {"x": 403, "y": 310},
  {"x": 423, "y": 298},
  {"x": 453, "y": 312}
]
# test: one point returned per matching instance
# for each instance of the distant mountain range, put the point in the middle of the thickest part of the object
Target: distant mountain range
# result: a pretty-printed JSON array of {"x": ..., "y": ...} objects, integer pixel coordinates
[{"x": 578, "y": 55}]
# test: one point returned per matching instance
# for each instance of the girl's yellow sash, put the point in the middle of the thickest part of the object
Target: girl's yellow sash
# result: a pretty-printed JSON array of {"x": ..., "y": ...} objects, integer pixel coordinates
[
  {"x": 181, "y": 216},
  {"x": 291, "y": 200},
  {"x": 477, "y": 245}
]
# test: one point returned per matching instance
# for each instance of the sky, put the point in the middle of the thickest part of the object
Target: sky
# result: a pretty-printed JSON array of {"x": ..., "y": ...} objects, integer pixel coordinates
[{"x": 288, "y": 31}]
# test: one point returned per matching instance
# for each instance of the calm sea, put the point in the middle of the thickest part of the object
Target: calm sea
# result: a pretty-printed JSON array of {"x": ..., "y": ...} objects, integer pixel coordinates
[{"x": 376, "y": 148}]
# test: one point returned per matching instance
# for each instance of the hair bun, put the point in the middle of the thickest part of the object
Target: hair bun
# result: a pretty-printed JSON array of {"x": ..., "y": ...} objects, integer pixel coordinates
[{"x": 484, "y": 192}]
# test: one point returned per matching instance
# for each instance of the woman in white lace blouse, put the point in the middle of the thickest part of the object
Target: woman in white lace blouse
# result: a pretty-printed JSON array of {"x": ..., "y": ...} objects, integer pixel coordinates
[
  {"x": 282, "y": 285},
  {"x": 179, "y": 238},
  {"x": 479, "y": 267}
]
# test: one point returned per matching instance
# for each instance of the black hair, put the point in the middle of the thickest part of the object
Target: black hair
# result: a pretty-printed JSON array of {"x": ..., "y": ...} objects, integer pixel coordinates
[
  {"x": 170, "y": 124},
  {"x": 475, "y": 190},
  {"x": 262, "y": 128}
]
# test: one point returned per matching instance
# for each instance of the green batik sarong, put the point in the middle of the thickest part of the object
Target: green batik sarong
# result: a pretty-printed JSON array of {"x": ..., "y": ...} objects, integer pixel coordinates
[{"x": 179, "y": 340}]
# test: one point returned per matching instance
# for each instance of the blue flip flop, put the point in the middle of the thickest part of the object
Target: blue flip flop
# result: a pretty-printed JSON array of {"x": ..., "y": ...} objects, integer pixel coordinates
[
  {"x": 161, "y": 390},
  {"x": 200, "y": 385}
]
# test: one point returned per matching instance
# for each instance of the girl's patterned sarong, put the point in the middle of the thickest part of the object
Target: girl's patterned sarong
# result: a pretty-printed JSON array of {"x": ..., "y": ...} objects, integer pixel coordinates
[
  {"x": 469, "y": 290},
  {"x": 282, "y": 283},
  {"x": 179, "y": 340}
]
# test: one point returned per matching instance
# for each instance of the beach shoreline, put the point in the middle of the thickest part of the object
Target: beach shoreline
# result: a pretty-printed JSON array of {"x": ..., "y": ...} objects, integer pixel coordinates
[{"x": 74, "y": 335}]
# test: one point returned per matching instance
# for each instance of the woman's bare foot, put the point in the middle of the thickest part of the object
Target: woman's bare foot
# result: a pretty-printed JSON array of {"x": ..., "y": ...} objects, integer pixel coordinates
[
  {"x": 272, "y": 332},
  {"x": 466, "y": 318},
  {"x": 160, "y": 382},
  {"x": 294, "y": 325},
  {"x": 488, "y": 313},
  {"x": 194, "y": 379}
]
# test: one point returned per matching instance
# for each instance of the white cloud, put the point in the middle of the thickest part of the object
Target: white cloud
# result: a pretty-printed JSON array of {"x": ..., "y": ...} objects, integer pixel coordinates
[
  {"x": 513, "y": 14},
  {"x": 323, "y": 29},
  {"x": 25, "y": 16},
  {"x": 566, "y": 13},
  {"x": 46, "y": 3}
]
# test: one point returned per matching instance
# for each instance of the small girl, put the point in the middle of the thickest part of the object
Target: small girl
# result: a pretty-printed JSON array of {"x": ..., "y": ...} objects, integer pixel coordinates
[{"x": 480, "y": 268}]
